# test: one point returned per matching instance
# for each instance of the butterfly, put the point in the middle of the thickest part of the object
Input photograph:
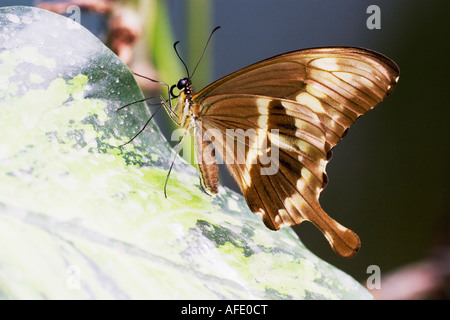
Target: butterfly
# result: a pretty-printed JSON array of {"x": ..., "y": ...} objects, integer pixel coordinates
[{"x": 276, "y": 123}]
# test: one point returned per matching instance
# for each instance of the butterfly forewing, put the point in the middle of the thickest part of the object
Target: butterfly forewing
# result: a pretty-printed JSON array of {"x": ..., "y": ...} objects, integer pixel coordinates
[{"x": 279, "y": 120}]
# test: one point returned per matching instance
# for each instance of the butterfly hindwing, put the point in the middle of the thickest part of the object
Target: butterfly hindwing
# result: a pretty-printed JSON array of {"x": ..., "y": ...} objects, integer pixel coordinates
[{"x": 282, "y": 188}]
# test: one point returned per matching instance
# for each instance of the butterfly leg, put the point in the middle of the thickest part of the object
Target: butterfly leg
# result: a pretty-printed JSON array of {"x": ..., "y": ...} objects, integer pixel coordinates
[
  {"x": 143, "y": 128},
  {"x": 177, "y": 150},
  {"x": 167, "y": 104}
]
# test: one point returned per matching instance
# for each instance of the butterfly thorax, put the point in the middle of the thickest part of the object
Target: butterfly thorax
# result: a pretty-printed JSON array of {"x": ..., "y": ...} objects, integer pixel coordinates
[{"x": 184, "y": 106}]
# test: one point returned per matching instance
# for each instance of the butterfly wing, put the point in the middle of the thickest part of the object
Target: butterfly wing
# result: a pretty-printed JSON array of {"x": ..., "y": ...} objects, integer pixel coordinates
[
  {"x": 339, "y": 83},
  {"x": 311, "y": 97}
]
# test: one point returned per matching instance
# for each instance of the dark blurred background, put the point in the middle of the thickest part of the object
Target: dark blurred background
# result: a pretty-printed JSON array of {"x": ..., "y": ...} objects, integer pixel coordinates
[{"x": 389, "y": 178}]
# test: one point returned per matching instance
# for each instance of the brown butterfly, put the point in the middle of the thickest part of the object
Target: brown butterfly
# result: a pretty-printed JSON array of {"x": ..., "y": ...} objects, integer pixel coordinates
[{"x": 275, "y": 124}]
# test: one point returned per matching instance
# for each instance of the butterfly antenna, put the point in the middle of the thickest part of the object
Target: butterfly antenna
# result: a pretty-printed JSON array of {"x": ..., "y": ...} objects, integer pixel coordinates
[
  {"x": 179, "y": 57},
  {"x": 204, "y": 49}
]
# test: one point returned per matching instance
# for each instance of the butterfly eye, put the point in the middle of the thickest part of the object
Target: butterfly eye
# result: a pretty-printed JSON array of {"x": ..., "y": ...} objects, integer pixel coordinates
[{"x": 182, "y": 83}]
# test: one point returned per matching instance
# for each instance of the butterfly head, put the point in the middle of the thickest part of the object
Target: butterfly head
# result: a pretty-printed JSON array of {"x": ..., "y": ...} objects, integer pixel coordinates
[{"x": 183, "y": 85}]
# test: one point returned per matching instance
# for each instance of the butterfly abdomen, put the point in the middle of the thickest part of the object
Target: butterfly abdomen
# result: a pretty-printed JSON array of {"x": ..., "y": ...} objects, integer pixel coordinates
[
  {"x": 206, "y": 160},
  {"x": 209, "y": 177}
]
